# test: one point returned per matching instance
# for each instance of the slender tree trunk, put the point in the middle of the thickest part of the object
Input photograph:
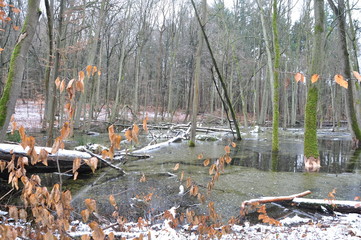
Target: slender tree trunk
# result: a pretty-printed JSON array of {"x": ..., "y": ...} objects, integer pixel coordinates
[
  {"x": 52, "y": 103},
  {"x": 49, "y": 15},
  {"x": 275, "y": 101},
  {"x": 196, "y": 81},
  {"x": 12, "y": 87}
]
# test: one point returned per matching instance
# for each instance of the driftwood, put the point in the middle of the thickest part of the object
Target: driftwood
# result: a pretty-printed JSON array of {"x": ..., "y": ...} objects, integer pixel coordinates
[{"x": 318, "y": 204}]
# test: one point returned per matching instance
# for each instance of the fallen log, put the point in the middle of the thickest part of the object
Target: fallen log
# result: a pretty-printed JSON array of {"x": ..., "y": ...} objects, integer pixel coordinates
[
  {"x": 162, "y": 144},
  {"x": 65, "y": 158},
  {"x": 324, "y": 205},
  {"x": 328, "y": 205},
  {"x": 273, "y": 199}
]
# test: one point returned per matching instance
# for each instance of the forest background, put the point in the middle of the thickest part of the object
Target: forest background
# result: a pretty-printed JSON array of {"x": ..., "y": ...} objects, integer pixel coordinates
[{"x": 143, "y": 58}]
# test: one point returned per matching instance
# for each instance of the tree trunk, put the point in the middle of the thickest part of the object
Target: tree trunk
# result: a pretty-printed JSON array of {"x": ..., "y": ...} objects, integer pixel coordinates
[
  {"x": 52, "y": 103},
  {"x": 310, "y": 136},
  {"x": 12, "y": 87},
  {"x": 339, "y": 13},
  {"x": 197, "y": 72},
  {"x": 49, "y": 15},
  {"x": 276, "y": 67},
  {"x": 223, "y": 84}
]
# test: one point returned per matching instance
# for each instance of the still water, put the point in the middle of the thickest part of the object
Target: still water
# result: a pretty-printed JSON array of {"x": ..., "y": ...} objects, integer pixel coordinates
[{"x": 251, "y": 174}]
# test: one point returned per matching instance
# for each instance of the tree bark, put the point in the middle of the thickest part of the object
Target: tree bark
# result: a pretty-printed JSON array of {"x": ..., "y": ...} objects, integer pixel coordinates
[
  {"x": 52, "y": 103},
  {"x": 49, "y": 15},
  {"x": 339, "y": 12},
  {"x": 196, "y": 81},
  {"x": 276, "y": 67},
  {"x": 310, "y": 136},
  {"x": 17, "y": 64}
]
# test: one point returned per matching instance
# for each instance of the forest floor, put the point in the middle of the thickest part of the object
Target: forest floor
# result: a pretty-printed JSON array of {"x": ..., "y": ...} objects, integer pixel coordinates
[{"x": 340, "y": 226}]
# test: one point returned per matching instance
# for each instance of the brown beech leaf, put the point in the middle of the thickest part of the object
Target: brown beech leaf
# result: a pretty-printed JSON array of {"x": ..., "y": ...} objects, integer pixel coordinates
[
  {"x": 57, "y": 82},
  {"x": 145, "y": 126},
  {"x": 85, "y": 215},
  {"x": 105, "y": 153},
  {"x": 227, "y": 149},
  {"x": 85, "y": 237},
  {"x": 2, "y": 165},
  {"x": 206, "y": 162},
  {"x": 56, "y": 145},
  {"x": 111, "y": 236},
  {"x": 94, "y": 70},
  {"x": 91, "y": 205},
  {"x": 315, "y": 78},
  {"x": 89, "y": 69},
  {"x": 341, "y": 81},
  {"x": 182, "y": 176},
  {"x": 176, "y": 167},
  {"x": 81, "y": 75},
  {"x": 299, "y": 77},
  {"x": 112, "y": 201},
  {"x": 79, "y": 85},
  {"x": 75, "y": 176},
  {"x": 76, "y": 164},
  {"x": 357, "y": 75},
  {"x": 65, "y": 131},
  {"x": 62, "y": 86},
  {"x": 200, "y": 156},
  {"x": 111, "y": 133},
  {"x": 98, "y": 233},
  {"x": 135, "y": 132},
  {"x": 128, "y": 135},
  {"x": 92, "y": 163},
  {"x": 43, "y": 156},
  {"x": 55, "y": 193},
  {"x": 233, "y": 144}
]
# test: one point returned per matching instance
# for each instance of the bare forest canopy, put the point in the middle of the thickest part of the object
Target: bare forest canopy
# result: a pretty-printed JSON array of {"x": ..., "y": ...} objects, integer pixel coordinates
[{"x": 143, "y": 58}]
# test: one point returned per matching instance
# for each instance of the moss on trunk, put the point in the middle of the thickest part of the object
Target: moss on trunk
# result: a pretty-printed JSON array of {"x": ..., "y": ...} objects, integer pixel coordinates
[
  {"x": 310, "y": 139},
  {"x": 6, "y": 93},
  {"x": 275, "y": 122}
]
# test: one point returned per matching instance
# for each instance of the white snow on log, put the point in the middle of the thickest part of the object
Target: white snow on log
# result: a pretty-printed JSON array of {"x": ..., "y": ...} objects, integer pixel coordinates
[
  {"x": 354, "y": 204},
  {"x": 61, "y": 154}
]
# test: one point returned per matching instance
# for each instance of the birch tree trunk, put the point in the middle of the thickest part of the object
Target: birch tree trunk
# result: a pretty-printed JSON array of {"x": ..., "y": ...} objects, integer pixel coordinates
[{"x": 12, "y": 87}]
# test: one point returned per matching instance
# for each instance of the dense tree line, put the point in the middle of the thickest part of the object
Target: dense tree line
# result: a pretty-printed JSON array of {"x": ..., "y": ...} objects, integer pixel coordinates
[{"x": 144, "y": 52}]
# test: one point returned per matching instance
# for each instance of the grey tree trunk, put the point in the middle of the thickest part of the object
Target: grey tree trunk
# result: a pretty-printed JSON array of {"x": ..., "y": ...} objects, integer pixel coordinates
[
  {"x": 339, "y": 12},
  {"x": 197, "y": 72}
]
